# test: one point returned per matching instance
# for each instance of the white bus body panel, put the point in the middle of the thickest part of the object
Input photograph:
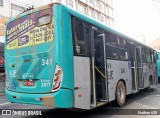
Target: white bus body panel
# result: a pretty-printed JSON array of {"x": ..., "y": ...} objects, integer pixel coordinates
[
  {"x": 145, "y": 75},
  {"x": 118, "y": 70},
  {"x": 82, "y": 81},
  {"x": 148, "y": 70}
]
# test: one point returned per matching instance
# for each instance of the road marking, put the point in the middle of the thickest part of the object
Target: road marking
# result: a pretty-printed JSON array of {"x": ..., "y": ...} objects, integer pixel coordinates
[{"x": 4, "y": 103}]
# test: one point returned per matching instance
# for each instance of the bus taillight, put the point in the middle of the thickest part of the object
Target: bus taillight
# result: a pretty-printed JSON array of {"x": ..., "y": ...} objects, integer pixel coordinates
[
  {"x": 58, "y": 74},
  {"x": 7, "y": 83}
]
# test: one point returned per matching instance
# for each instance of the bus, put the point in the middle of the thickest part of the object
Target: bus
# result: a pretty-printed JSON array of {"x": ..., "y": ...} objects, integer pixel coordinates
[
  {"x": 158, "y": 66},
  {"x": 60, "y": 58}
]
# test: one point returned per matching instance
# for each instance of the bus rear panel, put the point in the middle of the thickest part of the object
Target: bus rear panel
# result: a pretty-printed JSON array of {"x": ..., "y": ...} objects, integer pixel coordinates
[{"x": 34, "y": 67}]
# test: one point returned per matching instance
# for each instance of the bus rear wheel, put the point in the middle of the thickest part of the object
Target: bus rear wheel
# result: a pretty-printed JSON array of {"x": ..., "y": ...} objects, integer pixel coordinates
[{"x": 120, "y": 94}]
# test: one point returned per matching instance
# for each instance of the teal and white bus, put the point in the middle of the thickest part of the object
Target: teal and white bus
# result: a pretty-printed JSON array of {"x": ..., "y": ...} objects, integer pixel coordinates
[
  {"x": 58, "y": 57},
  {"x": 158, "y": 66}
]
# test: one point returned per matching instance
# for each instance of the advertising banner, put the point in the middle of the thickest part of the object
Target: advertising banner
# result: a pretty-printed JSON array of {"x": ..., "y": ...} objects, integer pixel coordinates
[
  {"x": 26, "y": 31},
  {"x": 2, "y": 25}
]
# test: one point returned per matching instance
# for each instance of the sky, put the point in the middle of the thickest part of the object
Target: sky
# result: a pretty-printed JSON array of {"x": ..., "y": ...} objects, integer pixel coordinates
[
  {"x": 138, "y": 18},
  {"x": 135, "y": 18}
]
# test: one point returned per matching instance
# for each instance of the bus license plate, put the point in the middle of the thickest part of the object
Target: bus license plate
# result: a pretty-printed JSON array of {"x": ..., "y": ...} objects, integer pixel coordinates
[{"x": 28, "y": 83}]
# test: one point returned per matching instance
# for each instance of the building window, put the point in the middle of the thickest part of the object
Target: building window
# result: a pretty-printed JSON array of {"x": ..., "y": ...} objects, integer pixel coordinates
[
  {"x": 97, "y": 3},
  {"x": 90, "y": 2},
  {"x": 1, "y": 2},
  {"x": 16, "y": 10},
  {"x": 97, "y": 15},
  {"x": 110, "y": 3},
  {"x": 102, "y": 18},
  {"x": 110, "y": 12},
  {"x": 70, "y": 3},
  {"x": 107, "y": 20},
  {"x": 82, "y": 8},
  {"x": 102, "y": 7},
  {"x": 107, "y": 10},
  {"x": 111, "y": 22},
  {"x": 91, "y": 12}
]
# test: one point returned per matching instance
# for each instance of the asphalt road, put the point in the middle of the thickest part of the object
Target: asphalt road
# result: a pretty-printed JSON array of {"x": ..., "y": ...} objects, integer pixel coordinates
[{"x": 142, "y": 100}]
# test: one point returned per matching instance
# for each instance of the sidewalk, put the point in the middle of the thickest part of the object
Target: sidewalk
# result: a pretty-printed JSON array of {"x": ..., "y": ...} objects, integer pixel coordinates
[{"x": 155, "y": 86}]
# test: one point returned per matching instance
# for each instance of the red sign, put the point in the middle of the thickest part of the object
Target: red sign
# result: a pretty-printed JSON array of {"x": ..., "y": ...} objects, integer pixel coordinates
[
  {"x": 28, "y": 83},
  {"x": 1, "y": 61}
]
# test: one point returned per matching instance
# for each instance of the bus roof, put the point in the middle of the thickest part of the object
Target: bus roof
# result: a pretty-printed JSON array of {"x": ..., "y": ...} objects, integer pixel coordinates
[
  {"x": 98, "y": 24},
  {"x": 30, "y": 11},
  {"x": 79, "y": 15}
]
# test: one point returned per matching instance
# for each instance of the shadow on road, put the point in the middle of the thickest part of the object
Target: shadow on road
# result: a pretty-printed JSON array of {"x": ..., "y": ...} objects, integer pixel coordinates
[
  {"x": 101, "y": 111},
  {"x": 140, "y": 95}
]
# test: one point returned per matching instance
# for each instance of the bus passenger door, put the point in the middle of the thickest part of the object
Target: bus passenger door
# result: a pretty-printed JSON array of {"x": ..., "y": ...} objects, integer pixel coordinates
[
  {"x": 131, "y": 48},
  {"x": 99, "y": 67},
  {"x": 138, "y": 67},
  {"x": 155, "y": 57}
]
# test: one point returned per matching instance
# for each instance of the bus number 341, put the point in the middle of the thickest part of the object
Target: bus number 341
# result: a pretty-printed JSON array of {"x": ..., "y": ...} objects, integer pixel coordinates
[{"x": 46, "y": 62}]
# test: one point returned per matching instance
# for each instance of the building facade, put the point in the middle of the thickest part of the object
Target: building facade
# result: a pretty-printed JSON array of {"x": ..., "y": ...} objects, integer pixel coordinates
[
  {"x": 10, "y": 9},
  {"x": 100, "y": 10}
]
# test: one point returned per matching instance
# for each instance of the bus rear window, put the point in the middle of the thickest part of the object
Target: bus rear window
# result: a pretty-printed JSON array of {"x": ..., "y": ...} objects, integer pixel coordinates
[
  {"x": 30, "y": 30},
  {"x": 44, "y": 20}
]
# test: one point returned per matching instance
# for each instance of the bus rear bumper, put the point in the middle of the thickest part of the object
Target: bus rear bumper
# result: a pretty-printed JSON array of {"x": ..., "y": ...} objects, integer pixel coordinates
[{"x": 61, "y": 99}]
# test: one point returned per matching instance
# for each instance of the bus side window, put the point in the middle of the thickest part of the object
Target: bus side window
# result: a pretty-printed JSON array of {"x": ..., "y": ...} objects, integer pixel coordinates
[
  {"x": 112, "y": 52},
  {"x": 143, "y": 55},
  {"x": 123, "y": 54},
  {"x": 122, "y": 43},
  {"x": 152, "y": 60},
  {"x": 155, "y": 57},
  {"x": 107, "y": 38},
  {"x": 148, "y": 56},
  {"x": 79, "y": 36},
  {"x": 113, "y": 40},
  {"x": 88, "y": 41}
]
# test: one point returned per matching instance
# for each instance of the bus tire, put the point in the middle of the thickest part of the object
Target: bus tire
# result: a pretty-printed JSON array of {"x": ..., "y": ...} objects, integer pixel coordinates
[{"x": 120, "y": 94}]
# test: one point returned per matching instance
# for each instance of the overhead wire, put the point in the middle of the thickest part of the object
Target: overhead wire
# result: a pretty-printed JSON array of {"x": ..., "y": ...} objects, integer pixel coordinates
[{"x": 18, "y": 2}]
